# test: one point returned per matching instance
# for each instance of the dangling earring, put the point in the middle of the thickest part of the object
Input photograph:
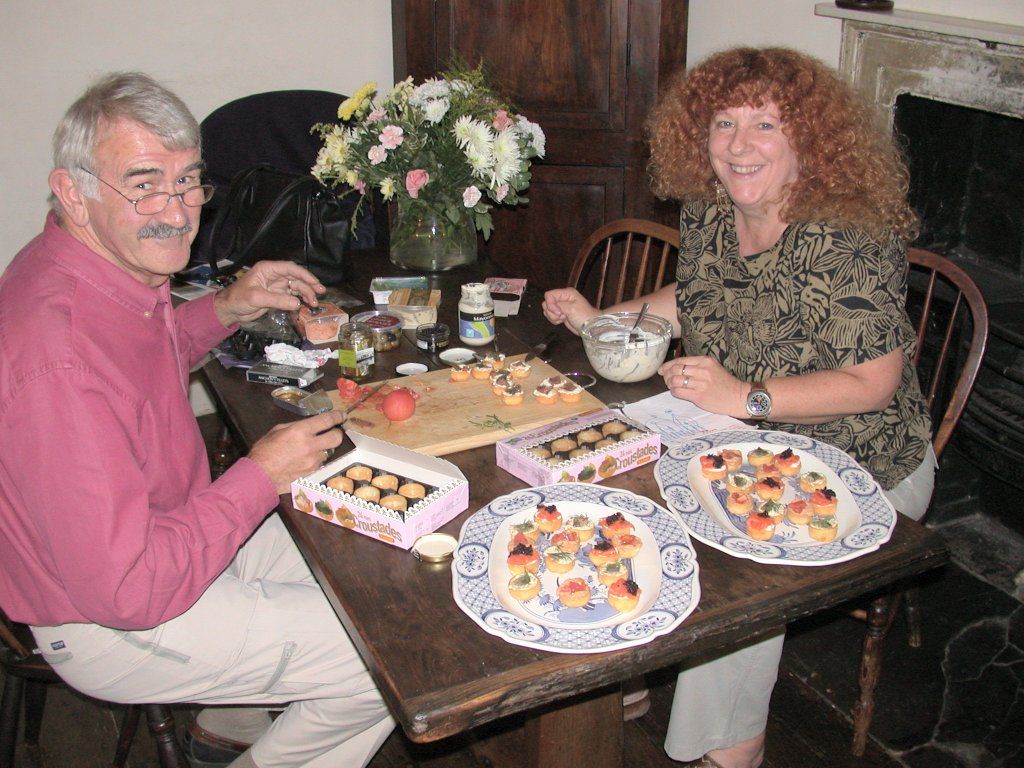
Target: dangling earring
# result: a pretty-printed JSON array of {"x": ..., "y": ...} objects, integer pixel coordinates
[{"x": 721, "y": 195}]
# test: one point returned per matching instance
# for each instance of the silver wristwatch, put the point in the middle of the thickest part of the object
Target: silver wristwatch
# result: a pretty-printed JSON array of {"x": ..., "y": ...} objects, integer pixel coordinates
[{"x": 759, "y": 402}]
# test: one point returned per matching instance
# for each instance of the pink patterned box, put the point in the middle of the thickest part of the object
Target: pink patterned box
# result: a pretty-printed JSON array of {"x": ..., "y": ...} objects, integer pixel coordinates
[
  {"x": 448, "y": 493},
  {"x": 622, "y": 445}
]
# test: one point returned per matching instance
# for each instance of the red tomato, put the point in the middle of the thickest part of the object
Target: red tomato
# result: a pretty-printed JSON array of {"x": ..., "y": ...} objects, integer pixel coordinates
[
  {"x": 347, "y": 388},
  {"x": 399, "y": 405}
]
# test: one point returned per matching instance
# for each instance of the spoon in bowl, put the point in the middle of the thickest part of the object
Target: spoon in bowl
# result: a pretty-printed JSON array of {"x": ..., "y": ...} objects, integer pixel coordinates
[{"x": 634, "y": 334}]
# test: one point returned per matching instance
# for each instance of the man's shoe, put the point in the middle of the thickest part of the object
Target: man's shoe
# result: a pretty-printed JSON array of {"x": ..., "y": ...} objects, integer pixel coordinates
[{"x": 208, "y": 750}]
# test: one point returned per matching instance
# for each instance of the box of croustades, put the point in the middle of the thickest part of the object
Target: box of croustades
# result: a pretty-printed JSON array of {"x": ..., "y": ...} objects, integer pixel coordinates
[
  {"x": 384, "y": 491},
  {"x": 587, "y": 448}
]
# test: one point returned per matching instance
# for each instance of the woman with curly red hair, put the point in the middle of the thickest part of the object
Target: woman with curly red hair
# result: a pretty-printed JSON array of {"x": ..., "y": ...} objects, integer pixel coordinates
[{"x": 790, "y": 300}]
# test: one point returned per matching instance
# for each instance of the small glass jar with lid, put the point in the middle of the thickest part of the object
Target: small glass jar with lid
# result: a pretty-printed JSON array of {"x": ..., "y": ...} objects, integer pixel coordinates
[
  {"x": 433, "y": 337},
  {"x": 355, "y": 350}
]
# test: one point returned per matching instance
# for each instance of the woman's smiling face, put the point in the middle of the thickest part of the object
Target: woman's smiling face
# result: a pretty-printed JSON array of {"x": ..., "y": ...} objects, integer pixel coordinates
[{"x": 752, "y": 157}]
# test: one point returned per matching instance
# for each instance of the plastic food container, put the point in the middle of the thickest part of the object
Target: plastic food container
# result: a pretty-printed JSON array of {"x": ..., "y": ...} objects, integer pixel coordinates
[
  {"x": 387, "y": 329},
  {"x": 619, "y": 356},
  {"x": 319, "y": 325}
]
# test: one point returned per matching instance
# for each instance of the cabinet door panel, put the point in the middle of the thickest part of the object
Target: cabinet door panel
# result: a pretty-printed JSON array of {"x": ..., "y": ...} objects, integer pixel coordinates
[
  {"x": 567, "y": 203},
  {"x": 562, "y": 62}
]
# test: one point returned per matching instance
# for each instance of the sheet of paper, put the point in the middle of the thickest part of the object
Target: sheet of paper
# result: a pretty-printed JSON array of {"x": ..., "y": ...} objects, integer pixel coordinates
[{"x": 676, "y": 419}]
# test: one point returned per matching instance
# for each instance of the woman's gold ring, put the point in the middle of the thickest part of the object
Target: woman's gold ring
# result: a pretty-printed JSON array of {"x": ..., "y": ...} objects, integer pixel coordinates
[
  {"x": 289, "y": 286},
  {"x": 327, "y": 455},
  {"x": 683, "y": 371},
  {"x": 686, "y": 382}
]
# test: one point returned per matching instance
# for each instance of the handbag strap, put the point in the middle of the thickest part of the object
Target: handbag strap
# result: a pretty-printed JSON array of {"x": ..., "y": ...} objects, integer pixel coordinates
[
  {"x": 269, "y": 217},
  {"x": 238, "y": 184}
]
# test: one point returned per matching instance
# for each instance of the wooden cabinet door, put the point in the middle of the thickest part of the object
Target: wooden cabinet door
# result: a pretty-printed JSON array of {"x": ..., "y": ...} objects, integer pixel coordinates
[{"x": 586, "y": 71}]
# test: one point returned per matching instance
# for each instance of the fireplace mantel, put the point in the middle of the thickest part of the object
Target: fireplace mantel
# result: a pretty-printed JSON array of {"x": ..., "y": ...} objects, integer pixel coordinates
[
  {"x": 969, "y": 63},
  {"x": 985, "y": 31}
]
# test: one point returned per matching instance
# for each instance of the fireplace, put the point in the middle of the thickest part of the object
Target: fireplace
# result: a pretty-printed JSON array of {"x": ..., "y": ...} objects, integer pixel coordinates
[{"x": 953, "y": 91}]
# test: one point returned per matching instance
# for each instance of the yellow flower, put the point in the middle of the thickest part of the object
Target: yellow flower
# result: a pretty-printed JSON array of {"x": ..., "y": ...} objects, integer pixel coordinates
[
  {"x": 357, "y": 101},
  {"x": 387, "y": 188},
  {"x": 351, "y": 178}
]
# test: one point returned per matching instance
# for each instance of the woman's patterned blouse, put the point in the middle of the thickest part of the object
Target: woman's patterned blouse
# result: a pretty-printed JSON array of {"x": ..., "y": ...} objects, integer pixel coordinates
[{"x": 821, "y": 298}]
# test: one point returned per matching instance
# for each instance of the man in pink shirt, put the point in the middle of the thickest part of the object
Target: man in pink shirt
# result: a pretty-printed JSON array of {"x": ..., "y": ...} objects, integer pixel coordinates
[{"x": 143, "y": 580}]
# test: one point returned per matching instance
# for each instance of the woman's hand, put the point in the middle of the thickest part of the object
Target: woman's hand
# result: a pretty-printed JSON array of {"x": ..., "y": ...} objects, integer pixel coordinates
[
  {"x": 268, "y": 285},
  {"x": 567, "y": 306},
  {"x": 705, "y": 383}
]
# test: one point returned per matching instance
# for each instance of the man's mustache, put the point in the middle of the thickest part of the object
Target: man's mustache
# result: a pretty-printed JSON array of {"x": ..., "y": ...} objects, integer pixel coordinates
[{"x": 162, "y": 231}]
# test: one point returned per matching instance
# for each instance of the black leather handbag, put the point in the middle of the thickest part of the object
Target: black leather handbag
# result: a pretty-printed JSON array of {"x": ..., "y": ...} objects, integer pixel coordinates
[{"x": 271, "y": 214}]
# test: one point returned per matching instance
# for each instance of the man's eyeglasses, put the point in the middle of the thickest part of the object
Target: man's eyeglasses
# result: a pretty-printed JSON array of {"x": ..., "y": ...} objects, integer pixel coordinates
[{"x": 155, "y": 202}]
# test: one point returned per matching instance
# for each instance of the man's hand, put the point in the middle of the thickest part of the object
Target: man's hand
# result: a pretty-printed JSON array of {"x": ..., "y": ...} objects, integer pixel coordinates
[
  {"x": 268, "y": 285},
  {"x": 289, "y": 451}
]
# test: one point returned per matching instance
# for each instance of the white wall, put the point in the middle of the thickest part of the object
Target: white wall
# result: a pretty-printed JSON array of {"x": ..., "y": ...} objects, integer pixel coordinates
[
  {"x": 718, "y": 24},
  {"x": 212, "y": 51},
  {"x": 207, "y": 51}
]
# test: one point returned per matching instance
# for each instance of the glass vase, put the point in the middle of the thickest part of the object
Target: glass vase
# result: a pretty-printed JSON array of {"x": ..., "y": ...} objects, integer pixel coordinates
[{"x": 425, "y": 241}]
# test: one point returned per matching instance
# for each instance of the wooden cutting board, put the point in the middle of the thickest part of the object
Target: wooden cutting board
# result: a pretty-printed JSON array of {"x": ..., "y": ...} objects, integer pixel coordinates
[{"x": 457, "y": 415}]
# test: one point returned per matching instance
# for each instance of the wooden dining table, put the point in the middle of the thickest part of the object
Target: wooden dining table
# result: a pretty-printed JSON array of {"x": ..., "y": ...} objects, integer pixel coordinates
[{"x": 440, "y": 673}]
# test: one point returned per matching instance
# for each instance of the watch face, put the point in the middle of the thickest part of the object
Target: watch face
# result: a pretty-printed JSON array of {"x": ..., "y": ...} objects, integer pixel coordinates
[{"x": 759, "y": 404}]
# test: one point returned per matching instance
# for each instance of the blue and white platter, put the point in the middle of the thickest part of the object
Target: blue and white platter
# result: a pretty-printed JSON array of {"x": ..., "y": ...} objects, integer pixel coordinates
[
  {"x": 866, "y": 518},
  {"x": 665, "y": 568}
]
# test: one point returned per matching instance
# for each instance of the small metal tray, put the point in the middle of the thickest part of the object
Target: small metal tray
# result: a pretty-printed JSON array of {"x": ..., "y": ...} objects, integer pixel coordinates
[{"x": 301, "y": 402}]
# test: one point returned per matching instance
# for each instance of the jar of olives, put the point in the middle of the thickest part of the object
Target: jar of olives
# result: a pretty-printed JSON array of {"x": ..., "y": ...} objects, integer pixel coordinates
[{"x": 355, "y": 351}]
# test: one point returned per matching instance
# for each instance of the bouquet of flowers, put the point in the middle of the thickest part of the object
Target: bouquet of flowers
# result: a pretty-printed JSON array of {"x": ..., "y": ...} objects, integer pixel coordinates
[{"x": 448, "y": 146}]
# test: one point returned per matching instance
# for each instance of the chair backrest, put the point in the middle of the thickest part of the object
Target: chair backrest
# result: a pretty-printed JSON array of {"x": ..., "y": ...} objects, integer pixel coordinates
[
  {"x": 274, "y": 128},
  {"x": 16, "y": 641},
  {"x": 947, "y": 338},
  {"x": 625, "y": 259},
  {"x": 270, "y": 127}
]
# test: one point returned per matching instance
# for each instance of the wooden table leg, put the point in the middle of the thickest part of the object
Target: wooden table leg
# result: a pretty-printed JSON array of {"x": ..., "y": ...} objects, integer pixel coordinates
[
  {"x": 879, "y": 619},
  {"x": 555, "y": 738}
]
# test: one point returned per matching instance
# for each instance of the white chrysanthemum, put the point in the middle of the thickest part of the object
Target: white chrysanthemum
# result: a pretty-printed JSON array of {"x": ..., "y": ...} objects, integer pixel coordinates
[
  {"x": 436, "y": 110},
  {"x": 533, "y": 133},
  {"x": 506, "y": 157},
  {"x": 461, "y": 86},
  {"x": 387, "y": 188},
  {"x": 429, "y": 91},
  {"x": 480, "y": 164},
  {"x": 461, "y": 130}
]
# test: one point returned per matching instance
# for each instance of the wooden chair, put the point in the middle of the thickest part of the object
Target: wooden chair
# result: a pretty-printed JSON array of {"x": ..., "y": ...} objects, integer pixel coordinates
[
  {"x": 27, "y": 677},
  {"x": 950, "y": 345},
  {"x": 625, "y": 259}
]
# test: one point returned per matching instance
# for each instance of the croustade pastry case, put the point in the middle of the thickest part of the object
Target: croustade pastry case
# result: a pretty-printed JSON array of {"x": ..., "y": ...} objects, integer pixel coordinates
[
  {"x": 445, "y": 492},
  {"x": 587, "y": 448}
]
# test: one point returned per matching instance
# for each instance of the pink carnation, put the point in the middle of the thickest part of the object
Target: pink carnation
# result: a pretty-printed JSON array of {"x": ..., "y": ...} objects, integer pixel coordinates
[
  {"x": 470, "y": 196},
  {"x": 500, "y": 192},
  {"x": 501, "y": 120},
  {"x": 375, "y": 116},
  {"x": 360, "y": 187},
  {"x": 377, "y": 154},
  {"x": 415, "y": 180},
  {"x": 391, "y": 136}
]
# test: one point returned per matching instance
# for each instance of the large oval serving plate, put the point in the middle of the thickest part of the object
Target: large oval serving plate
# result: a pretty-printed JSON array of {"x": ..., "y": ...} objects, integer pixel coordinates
[
  {"x": 665, "y": 568},
  {"x": 866, "y": 518}
]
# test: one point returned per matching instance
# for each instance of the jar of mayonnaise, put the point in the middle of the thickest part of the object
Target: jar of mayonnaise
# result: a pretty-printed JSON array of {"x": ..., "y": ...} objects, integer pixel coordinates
[{"x": 476, "y": 315}]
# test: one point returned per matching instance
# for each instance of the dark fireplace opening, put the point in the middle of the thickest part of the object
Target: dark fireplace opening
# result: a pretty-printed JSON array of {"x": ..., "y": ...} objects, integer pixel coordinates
[{"x": 967, "y": 185}]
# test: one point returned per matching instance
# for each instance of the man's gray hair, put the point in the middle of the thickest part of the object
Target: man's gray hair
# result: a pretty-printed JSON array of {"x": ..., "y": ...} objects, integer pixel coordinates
[{"x": 130, "y": 95}]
